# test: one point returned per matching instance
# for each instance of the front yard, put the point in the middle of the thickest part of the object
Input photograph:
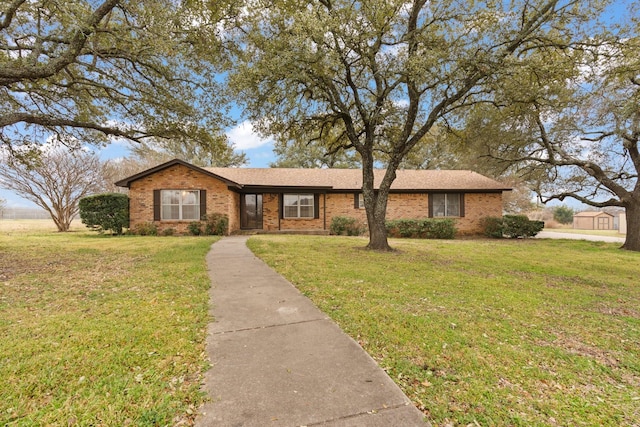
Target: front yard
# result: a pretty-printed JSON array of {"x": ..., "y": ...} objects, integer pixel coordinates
[
  {"x": 481, "y": 332},
  {"x": 101, "y": 331},
  {"x": 110, "y": 331}
]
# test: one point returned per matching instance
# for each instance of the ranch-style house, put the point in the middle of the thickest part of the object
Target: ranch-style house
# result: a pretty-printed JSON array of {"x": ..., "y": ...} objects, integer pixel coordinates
[{"x": 175, "y": 193}]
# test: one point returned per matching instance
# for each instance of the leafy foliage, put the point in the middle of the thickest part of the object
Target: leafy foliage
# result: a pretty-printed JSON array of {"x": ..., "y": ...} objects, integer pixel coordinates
[
  {"x": 346, "y": 226},
  {"x": 145, "y": 229},
  {"x": 195, "y": 228},
  {"x": 569, "y": 122},
  {"x": 563, "y": 214},
  {"x": 212, "y": 224},
  {"x": 512, "y": 226},
  {"x": 104, "y": 212},
  {"x": 92, "y": 70},
  {"x": 422, "y": 228},
  {"x": 492, "y": 227},
  {"x": 377, "y": 76},
  {"x": 216, "y": 224}
]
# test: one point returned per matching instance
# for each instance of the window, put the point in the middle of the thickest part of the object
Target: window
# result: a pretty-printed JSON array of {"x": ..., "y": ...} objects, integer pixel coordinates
[
  {"x": 446, "y": 204},
  {"x": 299, "y": 206},
  {"x": 180, "y": 205},
  {"x": 358, "y": 201}
]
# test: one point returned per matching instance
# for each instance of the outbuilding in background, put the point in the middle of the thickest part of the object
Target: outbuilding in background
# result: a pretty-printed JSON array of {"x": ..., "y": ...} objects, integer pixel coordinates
[{"x": 593, "y": 220}]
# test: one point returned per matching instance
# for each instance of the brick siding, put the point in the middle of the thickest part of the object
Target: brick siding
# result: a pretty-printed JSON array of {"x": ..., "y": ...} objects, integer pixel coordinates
[
  {"x": 222, "y": 200},
  {"x": 219, "y": 198}
]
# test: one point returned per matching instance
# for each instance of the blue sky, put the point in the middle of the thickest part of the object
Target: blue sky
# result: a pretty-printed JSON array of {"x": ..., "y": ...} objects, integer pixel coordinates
[{"x": 259, "y": 151}]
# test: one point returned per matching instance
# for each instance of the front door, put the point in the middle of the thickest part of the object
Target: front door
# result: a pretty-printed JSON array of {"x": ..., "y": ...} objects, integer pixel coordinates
[{"x": 251, "y": 211}]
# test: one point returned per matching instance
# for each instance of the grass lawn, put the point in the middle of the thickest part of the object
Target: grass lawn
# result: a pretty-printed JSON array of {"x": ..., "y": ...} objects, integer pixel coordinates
[
  {"x": 98, "y": 330},
  {"x": 485, "y": 332}
]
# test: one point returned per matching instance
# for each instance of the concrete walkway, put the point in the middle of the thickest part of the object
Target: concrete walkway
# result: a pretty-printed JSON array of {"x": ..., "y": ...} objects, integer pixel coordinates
[{"x": 279, "y": 361}]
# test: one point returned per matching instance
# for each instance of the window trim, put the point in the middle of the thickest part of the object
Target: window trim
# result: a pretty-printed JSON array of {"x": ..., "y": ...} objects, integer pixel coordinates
[
  {"x": 461, "y": 207},
  {"x": 313, "y": 205},
  {"x": 200, "y": 204}
]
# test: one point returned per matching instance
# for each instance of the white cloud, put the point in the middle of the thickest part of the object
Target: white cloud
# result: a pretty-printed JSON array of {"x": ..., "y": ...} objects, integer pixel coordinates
[{"x": 244, "y": 137}]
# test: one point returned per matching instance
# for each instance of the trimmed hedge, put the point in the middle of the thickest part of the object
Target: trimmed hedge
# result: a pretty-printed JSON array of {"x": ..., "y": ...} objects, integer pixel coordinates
[
  {"x": 104, "y": 212},
  {"x": 511, "y": 226},
  {"x": 427, "y": 228},
  {"x": 344, "y": 225}
]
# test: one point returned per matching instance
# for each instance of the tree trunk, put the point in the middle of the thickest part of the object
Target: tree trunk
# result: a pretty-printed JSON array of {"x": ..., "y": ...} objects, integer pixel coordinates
[
  {"x": 632, "y": 240},
  {"x": 375, "y": 202},
  {"x": 378, "y": 230}
]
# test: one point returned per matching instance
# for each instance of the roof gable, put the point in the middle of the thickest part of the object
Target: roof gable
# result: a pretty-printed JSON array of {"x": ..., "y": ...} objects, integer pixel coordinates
[{"x": 126, "y": 182}]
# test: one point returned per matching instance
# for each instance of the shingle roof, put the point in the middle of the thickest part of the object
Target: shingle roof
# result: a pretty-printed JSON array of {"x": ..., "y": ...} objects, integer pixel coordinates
[
  {"x": 337, "y": 179},
  {"x": 589, "y": 214},
  {"x": 351, "y": 179}
]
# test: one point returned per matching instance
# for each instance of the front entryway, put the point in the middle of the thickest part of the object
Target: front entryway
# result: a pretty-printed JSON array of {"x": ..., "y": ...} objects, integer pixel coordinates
[{"x": 251, "y": 211}]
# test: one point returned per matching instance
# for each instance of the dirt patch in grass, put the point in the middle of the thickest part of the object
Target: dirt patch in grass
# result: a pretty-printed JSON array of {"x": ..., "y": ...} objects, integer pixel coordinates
[
  {"x": 619, "y": 311},
  {"x": 576, "y": 347}
]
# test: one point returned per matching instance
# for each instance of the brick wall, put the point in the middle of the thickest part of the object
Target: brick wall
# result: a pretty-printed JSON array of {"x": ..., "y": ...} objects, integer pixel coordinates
[
  {"x": 219, "y": 198},
  {"x": 400, "y": 206},
  {"x": 476, "y": 207}
]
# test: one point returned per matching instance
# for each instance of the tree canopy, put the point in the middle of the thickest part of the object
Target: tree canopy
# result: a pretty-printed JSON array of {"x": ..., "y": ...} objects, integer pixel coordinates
[
  {"x": 95, "y": 70},
  {"x": 573, "y": 126},
  {"x": 381, "y": 72}
]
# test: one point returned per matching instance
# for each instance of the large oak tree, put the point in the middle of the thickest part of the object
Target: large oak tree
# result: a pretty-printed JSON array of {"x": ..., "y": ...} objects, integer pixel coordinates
[
  {"x": 384, "y": 72},
  {"x": 93, "y": 70},
  {"x": 575, "y": 132}
]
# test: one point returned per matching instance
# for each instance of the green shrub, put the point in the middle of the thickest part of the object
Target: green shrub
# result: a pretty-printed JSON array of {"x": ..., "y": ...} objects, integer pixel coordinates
[
  {"x": 512, "y": 226},
  {"x": 428, "y": 228},
  {"x": 169, "y": 231},
  {"x": 344, "y": 225},
  {"x": 492, "y": 227},
  {"x": 515, "y": 226},
  {"x": 216, "y": 224},
  {"x": 195, "y": 228},
  {"x": 104, "y": 212},
  {"x": 563, "y": 214},
  {"x": 146, "y": 229}
]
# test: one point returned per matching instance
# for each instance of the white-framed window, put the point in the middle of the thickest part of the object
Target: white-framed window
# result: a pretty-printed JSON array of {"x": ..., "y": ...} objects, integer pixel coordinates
[
  {"x": 359, "y": 202},
  {"x": 446, "y": 204},
  {"x": 298, "y": 206},
  {"x": 180, "y": 205}
]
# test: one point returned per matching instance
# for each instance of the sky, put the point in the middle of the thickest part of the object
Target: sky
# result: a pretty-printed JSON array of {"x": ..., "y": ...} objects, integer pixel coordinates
[{"x": 259, "y": 151}]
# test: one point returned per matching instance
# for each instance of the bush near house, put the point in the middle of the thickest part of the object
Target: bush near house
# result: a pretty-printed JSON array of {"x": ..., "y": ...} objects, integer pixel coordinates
[
  {"x": 427, "y": 228},
  {"x": 145, "y": 229},
  {"x": 104, "y": 212},
  {"x": 346, "y": 226},
  {"x": 215, "y": 224},
  {"x": 511, "y": 226}
]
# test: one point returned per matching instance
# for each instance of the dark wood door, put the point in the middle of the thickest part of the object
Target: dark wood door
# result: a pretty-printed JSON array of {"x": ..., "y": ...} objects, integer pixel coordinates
[{"x": 251, "y": 211}]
